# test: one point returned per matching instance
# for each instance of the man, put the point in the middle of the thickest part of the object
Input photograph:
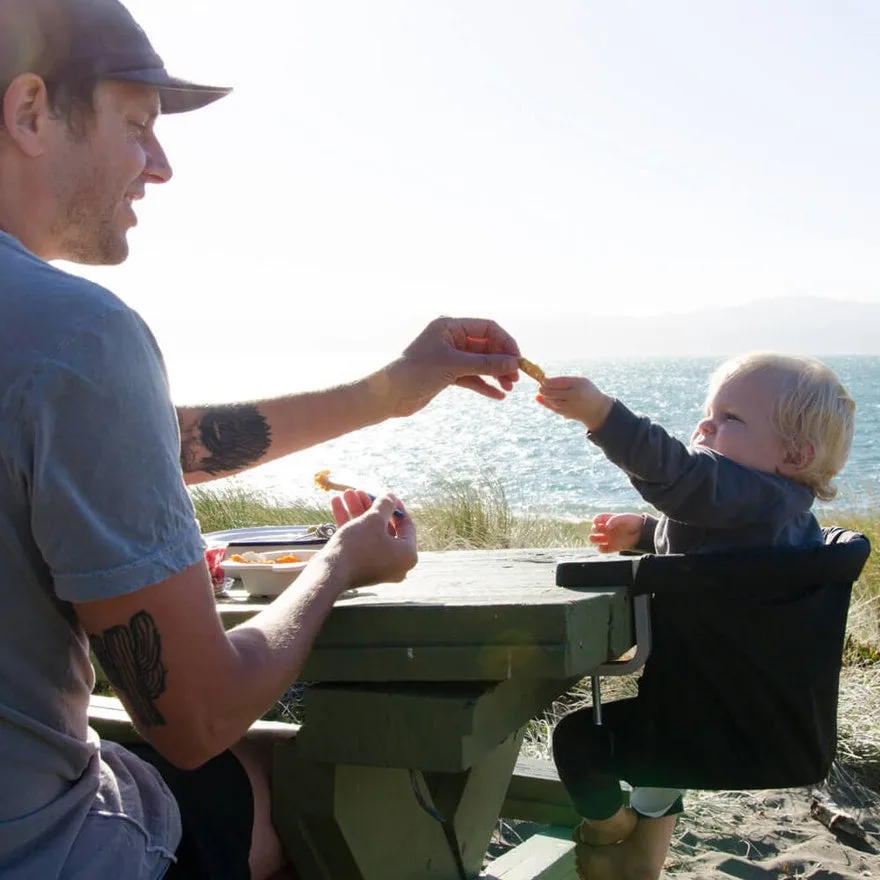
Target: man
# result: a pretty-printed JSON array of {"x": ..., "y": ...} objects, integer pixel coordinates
[{"x": 97, "y": 533}]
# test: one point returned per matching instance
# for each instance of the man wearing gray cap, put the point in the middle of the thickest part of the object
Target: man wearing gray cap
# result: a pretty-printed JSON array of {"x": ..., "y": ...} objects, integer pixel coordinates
[{"x": 97, "y": 532}]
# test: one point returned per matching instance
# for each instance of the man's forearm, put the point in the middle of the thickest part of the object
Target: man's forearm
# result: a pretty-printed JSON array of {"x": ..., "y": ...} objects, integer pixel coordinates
[
  {"x": 220, "y": 440},
  {"x": 272, "y": 648},
  {"x": 256, "y": 663}
]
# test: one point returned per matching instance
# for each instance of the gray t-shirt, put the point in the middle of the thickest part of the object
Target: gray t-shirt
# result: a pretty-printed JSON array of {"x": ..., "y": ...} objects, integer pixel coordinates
[
  {"x": 708, "y": 502},
  {"x": 92, "y": 505}
]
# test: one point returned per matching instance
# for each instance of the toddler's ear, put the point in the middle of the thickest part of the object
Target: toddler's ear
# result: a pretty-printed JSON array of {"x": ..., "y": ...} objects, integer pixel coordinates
[{"x": 797, "y": 458}]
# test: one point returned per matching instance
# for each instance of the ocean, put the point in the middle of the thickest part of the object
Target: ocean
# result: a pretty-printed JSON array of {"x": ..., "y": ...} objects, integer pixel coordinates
[{"x": 542, "y": 462}]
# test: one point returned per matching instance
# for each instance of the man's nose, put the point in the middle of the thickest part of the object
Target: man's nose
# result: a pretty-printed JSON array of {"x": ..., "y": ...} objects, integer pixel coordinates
[{"x": 158, "y": 168}]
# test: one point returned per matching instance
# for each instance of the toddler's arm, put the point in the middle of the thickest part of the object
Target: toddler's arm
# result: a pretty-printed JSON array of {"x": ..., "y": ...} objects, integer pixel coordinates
[
  {"x": 692, "y": 486},
  {"x": 695, "y": 486}
]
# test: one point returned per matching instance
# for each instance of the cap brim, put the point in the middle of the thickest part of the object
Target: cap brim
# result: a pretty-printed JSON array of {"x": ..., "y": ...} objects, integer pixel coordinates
[{"x": 175, "y": 95}]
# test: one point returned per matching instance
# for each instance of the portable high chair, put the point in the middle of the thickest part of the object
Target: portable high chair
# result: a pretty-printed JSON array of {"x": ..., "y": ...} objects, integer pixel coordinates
[{"x": 742, "y": 653}]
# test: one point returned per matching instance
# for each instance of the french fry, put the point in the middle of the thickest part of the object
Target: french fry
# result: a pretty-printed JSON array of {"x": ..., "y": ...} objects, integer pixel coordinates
[
  {"x": 323, "y": 481},
  {"x": 531, "y": 369}
]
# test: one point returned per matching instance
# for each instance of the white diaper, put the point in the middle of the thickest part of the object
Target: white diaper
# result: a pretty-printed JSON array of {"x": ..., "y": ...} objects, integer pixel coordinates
[{"x": 653, "y": 802}]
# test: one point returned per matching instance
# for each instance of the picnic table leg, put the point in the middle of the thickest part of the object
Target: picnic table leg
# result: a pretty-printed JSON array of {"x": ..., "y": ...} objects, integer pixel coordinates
[{"x": 354, "y": 822}]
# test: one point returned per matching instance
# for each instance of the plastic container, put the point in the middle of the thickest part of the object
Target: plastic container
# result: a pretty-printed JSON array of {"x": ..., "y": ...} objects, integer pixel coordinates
[{"x": 267, "y": 577}]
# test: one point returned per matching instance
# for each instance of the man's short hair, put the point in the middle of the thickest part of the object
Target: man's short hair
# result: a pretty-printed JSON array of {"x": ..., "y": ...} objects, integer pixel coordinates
[{"x": 812, "y": 407}]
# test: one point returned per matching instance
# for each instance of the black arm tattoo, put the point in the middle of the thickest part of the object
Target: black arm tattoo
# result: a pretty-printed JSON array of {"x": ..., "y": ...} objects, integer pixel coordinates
[
  {"x": 225, "y": 439},
  {"x": 131, "y": 657}
]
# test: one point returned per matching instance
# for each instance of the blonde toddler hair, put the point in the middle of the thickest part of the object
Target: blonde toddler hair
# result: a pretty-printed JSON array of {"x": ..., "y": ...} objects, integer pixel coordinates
[{"x": 812, "y": 408}]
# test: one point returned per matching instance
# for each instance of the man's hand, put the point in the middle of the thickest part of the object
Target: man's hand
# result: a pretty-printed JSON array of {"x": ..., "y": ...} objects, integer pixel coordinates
[
  {"x": 450, "y": 351},
  {"x": 375, "y": 542},
  {"x": 576, "y": 397},
  {"x": 613, "y": 532}
]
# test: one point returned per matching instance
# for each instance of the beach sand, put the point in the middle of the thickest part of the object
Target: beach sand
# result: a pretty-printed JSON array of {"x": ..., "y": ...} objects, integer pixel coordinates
[
  {"x": 771, "y": 834},
  {"x": 768, "y": 835}
]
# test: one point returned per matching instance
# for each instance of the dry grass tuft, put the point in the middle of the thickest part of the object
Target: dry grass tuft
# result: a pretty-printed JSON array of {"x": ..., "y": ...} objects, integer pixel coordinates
[{"x": 235, "y": 507}]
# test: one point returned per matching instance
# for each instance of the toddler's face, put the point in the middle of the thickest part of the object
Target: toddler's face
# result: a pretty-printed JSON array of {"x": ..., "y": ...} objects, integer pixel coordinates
[{"x": 737, "y": 424}]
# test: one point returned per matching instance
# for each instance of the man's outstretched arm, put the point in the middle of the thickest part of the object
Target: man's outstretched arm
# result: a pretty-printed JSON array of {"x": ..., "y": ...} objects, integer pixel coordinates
[
  {"x": 219, "y": 440},
  {"x": 216, "y": 441}
]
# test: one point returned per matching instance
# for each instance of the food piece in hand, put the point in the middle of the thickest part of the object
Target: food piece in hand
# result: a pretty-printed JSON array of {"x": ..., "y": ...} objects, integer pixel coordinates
[
  {"x": 323, "y": 481},
  {"x": 531, "y": 369}
]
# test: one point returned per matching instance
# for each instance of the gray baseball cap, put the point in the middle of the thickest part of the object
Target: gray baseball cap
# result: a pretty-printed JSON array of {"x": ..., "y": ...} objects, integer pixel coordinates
[{"x": 66, "y": 39}]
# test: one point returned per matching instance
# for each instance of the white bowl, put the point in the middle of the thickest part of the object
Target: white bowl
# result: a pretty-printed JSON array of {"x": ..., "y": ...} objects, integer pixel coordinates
[{"x": 267, "y": 577}]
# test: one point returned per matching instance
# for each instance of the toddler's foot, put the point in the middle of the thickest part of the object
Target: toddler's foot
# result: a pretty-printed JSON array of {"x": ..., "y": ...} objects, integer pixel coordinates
[
  {"x": 640, "y": 856},
  {"x": 602, "y": 832},
  {"x": 600, "y": 862}
]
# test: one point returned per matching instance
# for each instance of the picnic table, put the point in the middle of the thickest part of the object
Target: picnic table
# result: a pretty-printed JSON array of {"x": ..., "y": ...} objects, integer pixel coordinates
[{"x": 419, "y": 696}]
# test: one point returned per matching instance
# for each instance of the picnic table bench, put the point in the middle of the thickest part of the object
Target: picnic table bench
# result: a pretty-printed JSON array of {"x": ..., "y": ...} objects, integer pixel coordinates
[{"x": 418, "y": 700}]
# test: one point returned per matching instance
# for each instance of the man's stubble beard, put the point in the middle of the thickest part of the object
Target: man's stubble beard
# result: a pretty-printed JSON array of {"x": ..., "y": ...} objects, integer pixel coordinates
[{"x": 87, "y": 230}]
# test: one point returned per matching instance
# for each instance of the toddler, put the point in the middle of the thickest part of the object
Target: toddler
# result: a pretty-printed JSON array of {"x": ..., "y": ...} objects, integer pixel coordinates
[{"x": 776, "y": 431}]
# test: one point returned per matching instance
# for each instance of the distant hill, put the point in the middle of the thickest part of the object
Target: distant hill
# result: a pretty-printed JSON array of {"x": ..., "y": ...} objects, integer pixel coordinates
[{"x": 808, "y": 325}]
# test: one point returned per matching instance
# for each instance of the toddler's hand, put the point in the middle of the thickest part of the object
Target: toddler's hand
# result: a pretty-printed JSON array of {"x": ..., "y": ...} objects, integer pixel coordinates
[
  {"x": 576, "y": 397},
  {"x": 376, "y": 540},
  {"x": 613, "y": 532}
]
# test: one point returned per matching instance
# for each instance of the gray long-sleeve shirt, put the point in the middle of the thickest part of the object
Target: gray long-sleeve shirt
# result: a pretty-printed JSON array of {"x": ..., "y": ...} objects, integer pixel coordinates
[{"x": 708, "y": 502}]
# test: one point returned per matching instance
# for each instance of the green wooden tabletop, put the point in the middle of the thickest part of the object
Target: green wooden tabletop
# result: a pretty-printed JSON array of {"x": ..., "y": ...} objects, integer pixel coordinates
[{"x": 467, "y": 616}]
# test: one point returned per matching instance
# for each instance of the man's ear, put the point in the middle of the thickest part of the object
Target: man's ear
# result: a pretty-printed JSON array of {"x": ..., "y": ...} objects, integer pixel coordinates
[
  {"x": 26, "y": 113},
  {"x": 797, "y": 458}
]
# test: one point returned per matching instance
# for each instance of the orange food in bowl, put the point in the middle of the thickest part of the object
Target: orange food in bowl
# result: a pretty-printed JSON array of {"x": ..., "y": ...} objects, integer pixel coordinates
[{"x": 281, "y": 560}]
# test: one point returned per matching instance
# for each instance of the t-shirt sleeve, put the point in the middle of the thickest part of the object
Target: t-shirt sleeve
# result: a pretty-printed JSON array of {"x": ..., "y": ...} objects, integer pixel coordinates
[
  {"x": 646, "y": 536},
  {"x": 110, "y": 512}
]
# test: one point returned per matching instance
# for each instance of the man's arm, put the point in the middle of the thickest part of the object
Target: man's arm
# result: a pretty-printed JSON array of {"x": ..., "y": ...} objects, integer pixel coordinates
[
  {"x": 115, "y": 527},
  {"x": 218, "y": 441},
  {"x": 192, "y": 689}
]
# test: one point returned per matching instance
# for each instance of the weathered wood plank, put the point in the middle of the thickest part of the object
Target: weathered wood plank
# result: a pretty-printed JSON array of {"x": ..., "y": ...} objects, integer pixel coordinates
[
  {"x": 468, "y": 616},
  {"x": 545, "y": 856},
  {"x": 535, "y": 794},
  {"x": 109, "y": 718},
  {"x": 435, "y": 726}
]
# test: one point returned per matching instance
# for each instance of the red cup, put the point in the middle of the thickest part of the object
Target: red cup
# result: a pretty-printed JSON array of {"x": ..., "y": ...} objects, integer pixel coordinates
[{"x": 213, "y": 557}]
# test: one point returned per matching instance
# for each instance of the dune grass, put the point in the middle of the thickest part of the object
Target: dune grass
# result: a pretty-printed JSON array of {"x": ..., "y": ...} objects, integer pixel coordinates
[
  {"x": 237, "y": 508},
  {"x": 458, "y": 516}
]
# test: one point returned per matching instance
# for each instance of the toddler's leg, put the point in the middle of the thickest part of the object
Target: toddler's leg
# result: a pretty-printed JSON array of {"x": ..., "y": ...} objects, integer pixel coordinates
[
  {"x": 639, "y": 857},
  {"x": 580, "y": 751},
  {"x": 642, "y": 853},
  {"x": 582, "y": 755}
]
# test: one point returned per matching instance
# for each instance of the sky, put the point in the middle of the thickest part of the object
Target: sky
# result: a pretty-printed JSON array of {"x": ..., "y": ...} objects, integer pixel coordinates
[{"x": 380, "y": 163}]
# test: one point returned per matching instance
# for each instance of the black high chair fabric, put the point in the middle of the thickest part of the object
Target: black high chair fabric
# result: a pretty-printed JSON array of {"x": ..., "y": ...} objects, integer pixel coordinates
[{"x": 740, "y": 688}]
